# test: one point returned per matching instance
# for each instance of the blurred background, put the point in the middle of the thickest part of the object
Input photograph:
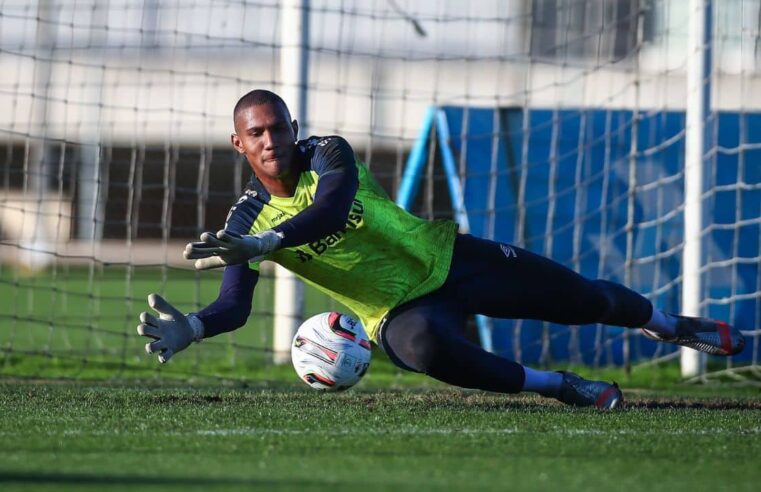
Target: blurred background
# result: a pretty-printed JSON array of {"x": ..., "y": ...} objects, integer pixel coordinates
[{"x": 562, "y": 126}]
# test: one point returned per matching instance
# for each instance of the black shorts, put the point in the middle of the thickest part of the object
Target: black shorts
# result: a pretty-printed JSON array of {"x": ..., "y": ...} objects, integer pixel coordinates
[{"x": 501, "y": 281}]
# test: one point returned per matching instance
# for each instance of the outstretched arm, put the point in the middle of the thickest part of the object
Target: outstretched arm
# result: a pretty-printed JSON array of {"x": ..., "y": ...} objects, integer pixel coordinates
[
  {"x": 333, "y": 161},
  {"x": 173, "y": 331},
  {"x": 338, "y": 183},
  {"x": 233, "y": 305}
]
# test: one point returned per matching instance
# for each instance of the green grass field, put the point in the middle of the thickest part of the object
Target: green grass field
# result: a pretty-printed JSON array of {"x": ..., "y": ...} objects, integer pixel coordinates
[
  {"x": 83, "y": 407},
  {"x": 80, "y": 323},
  {"x": 391, "y": 432}
]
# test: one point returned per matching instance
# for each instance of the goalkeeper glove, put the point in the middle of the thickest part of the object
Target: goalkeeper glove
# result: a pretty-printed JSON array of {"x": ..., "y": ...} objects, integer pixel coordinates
[
  {"x": 172, "y": 331},
  {"x": 227, "y": 248}
]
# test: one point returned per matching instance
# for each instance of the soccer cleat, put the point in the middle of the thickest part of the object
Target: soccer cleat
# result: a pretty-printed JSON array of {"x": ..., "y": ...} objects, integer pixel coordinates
[
  {"x": 705, "y": 335},
  {"x": 581, "y": 392}
]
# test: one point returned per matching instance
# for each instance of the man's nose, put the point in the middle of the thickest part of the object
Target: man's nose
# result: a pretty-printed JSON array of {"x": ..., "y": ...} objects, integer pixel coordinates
[{"x": 269, "y": 141}]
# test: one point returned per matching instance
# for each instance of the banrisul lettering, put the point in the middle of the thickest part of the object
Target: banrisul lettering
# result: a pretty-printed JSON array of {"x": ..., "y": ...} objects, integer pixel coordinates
[
  {"x": 319, "y": 247},
  {"x": 355, "y": 214},
  {"x": 303, "y": 257},
  {"x": 354, "y": 221}
]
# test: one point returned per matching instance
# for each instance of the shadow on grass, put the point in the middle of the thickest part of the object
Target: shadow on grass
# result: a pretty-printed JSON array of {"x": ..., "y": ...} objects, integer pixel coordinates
[
  {"x": 105, "y": 479},
  {"x": 684, "y": 404},
  {"x": 487, "y": 402}
]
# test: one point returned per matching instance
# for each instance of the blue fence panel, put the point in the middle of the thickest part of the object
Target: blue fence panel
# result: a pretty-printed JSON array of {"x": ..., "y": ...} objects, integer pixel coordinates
[{"x": 590, "y": 152}]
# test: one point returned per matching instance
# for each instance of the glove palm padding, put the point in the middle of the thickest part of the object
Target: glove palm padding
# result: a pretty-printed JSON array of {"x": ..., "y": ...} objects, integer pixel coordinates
[
  {"x": 172, "y": 331},
  {"x": 226, "y": 248}
]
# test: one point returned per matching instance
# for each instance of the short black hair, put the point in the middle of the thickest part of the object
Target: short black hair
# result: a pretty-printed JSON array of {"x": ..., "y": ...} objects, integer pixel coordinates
[{"x": 257, "y": 97}]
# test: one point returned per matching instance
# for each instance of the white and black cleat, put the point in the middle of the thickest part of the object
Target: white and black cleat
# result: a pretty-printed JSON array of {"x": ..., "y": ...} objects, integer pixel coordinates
[
  {"x": 702, "y": 334},
  {"x": 581, "y": 392}
]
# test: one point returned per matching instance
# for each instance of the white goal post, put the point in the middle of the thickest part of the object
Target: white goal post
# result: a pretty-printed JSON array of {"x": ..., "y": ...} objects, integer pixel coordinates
[
  {"x": 294, "y": 77},
  {"x": 698, "y": 105}
]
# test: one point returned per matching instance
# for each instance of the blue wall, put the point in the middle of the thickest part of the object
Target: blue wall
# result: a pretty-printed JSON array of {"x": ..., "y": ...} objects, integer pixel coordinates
[{"x": 592, "y": 147}]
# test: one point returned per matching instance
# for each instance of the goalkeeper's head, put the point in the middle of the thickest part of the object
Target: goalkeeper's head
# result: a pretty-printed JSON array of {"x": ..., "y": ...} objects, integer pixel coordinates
[{"x": 266, "y": 135}]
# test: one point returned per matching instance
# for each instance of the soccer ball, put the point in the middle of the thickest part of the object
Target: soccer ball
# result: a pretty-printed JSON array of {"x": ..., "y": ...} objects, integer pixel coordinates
[{"x": 331, "y": 352}]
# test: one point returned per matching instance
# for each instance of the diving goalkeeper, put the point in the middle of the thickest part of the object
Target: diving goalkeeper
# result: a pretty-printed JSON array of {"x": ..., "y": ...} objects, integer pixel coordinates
[{"x": 314, "y": 208}]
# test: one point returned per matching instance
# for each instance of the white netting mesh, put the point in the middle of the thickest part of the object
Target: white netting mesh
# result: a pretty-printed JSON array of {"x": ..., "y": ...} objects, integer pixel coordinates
[{"x": 116, "y": 118}]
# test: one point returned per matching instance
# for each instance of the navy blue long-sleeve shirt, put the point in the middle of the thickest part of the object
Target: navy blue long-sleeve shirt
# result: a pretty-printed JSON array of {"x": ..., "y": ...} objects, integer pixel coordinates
[{"x": 332, "y": 159}]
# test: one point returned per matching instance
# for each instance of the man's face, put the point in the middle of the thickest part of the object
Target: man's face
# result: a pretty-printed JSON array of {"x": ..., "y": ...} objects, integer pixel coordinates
[{"x": 267, "y": 137}]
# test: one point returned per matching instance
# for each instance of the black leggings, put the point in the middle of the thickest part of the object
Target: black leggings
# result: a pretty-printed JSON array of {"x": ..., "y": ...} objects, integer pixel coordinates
[{"x": 427, "y": 334}]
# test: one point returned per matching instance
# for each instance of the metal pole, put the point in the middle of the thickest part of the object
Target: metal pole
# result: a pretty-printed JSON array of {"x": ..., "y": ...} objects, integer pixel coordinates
[
  {"x": 698, "y": 101},
  {"x": 631, "y": 200},
  {"x": 413, "y": 170},
  {"x": 37, "y": 172},
  {"x": 91, "y": 193},
  {"x": 294, "y": 65}
]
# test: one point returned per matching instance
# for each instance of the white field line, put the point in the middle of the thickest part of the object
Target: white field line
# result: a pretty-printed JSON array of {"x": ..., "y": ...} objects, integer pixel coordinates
[
  {"x": 253, "y": 431},
  {"x": 406, "y": 431},
  {"x": 410, "y": 431}
]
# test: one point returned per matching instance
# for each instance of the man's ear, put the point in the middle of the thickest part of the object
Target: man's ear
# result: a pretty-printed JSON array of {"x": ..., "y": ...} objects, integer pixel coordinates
[
  {"x": 235, "y": 140},
  {"x": 295, "y": 126}
]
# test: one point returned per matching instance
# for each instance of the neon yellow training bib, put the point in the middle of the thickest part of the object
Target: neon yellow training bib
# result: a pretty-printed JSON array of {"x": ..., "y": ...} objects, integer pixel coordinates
[{"x": 383, "y": 258}]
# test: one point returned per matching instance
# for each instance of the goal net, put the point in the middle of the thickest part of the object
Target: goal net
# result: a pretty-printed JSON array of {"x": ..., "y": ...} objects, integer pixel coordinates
[{"x": 556, "y": 125}]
